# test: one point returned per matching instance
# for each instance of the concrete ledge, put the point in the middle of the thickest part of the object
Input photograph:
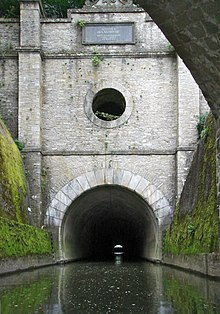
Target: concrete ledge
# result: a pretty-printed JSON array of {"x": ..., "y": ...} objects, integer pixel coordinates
[
  {"x": 206, "y": 264},
  {"x": 15, "y": 264}
]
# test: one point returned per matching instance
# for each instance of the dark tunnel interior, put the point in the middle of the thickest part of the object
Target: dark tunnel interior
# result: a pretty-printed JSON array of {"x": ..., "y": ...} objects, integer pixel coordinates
[
  {"x": 106, "y": 216},
  {"x": 109, "y": 101}
]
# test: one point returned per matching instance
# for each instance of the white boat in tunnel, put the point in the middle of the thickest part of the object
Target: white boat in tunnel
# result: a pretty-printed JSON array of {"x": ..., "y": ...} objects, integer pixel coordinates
[{"x": 118, "y": 250}]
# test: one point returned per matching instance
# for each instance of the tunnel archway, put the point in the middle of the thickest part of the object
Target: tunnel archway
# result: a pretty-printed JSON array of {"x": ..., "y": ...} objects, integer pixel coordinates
[
  {"x": 105, "y": 216},
  {"x": 104, "y": 207}
]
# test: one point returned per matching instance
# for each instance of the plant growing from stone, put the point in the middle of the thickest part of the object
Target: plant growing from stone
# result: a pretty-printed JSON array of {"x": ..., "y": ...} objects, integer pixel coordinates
[
  {"x": 106, "y": 116},
  {"x": 201, "y": 128},
  {"x": 81, "y": 23},
  {"x": 20, "y": 145},
  {"x": 96, "y": 58}
]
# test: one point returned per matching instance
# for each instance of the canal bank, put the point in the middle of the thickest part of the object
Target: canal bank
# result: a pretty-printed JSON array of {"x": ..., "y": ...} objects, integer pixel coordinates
[
  {"x": 107, "y": 287},
  {"x": 23, "y": 247},
  {"x": 18, "y": 264},
  {"x": 204, "y": 264}
]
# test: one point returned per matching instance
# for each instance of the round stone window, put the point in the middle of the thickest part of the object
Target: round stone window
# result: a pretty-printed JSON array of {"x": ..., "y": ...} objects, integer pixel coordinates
[
  {"x": 108, "y": 107},
  {"x": 108, "y": 104}
]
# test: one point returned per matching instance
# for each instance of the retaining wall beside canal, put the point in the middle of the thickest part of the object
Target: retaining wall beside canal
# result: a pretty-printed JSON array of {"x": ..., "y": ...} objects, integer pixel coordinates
[
  {"x": 13, "y": 264},
  {"x": 206, "y": 264}
]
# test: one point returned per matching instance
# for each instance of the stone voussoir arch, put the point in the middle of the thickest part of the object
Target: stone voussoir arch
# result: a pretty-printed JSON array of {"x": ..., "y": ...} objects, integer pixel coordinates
[{"x": 134, "y": 182}]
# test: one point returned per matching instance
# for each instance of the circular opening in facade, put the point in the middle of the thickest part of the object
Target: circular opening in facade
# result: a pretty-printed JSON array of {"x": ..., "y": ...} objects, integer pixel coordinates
[{"x": 108, "y": 104}]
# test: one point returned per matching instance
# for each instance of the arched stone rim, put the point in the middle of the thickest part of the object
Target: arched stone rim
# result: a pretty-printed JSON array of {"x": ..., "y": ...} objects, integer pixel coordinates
[
  {"x": 108, "y": 124},
  {"x": 134, "y": 182}
]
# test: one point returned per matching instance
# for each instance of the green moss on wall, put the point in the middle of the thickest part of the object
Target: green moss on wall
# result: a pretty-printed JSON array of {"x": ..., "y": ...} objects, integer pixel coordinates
[
  {"x": 195, "y": 225},
  {"x": 12, "y": 179},
  {"x": 18, "y": 239}
]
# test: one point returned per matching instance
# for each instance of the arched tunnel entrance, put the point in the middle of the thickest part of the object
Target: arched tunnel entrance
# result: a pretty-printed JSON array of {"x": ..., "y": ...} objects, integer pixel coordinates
[{"x": 105, "y": 216}]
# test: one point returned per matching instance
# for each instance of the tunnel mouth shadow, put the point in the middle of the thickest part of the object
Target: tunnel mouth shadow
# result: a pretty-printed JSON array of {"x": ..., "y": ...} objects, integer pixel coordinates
[{"x": 105, "y": 216}]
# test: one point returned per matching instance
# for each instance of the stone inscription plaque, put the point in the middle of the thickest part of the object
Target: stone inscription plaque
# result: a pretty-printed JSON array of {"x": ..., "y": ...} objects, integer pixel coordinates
[{"x": 109, "y": 33}]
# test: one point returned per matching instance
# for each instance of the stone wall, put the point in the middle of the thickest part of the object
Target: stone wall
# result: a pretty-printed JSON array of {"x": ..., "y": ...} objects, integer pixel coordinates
[
  {"x": 205, "y": 264},
  {"x": 57, "y": 83},
  {"x": 156, "y": 86},
  {"x": 17, "y": 264},
  {"x": 9, "y": 40},
  {"x": 193, "y": 28},
  {"x": 194, "y": 228},
  {"x": 60, "y": 169}
]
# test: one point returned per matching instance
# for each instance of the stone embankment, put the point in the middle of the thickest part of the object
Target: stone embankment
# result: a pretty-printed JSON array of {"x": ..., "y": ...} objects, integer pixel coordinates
[
  {"x": 192, "y": 241},
  {"x": 21, "y": 245}
]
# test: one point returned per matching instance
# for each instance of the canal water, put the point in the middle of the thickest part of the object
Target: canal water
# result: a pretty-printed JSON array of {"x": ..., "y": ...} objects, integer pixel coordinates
[{"x": 110, "y": 287}]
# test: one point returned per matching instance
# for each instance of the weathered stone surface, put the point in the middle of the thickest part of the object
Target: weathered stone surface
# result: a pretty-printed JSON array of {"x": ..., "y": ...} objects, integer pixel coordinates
[
  {"x": 135, "y": 179},
  {"x": 142, "y": 185},
  {"x": 9, "y": 92},
  {"x": 151, "y": 125},
  {"x": 190, "y": 26},
  {"x": 68, "y": 190},
  {"x": 109, "y": 176},
  {"x": 63, "y": 136},
  {"x": 77, "y": 187},
  {"x": 83, "y": 182},
  {"x": 126, "y": 178},
  {"x": 9, "y": 265},
  {"x": 206, "y": 264}
]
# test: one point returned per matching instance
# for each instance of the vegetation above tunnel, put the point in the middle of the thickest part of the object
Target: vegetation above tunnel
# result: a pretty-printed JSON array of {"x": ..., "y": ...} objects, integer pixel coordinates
[
  {"x": 52, "y": 8},
  {"x": 195, "y": 225}
]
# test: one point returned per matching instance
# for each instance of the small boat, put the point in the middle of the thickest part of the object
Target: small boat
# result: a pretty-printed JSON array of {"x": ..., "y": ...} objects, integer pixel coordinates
[{"x": 118, "y": 250}]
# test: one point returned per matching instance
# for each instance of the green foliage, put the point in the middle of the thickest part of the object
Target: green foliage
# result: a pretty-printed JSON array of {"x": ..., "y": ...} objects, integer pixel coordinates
[
  {"x": 12, "y": 178},
  {"x": 28, "y": 297},
  {"x": 201, "y": 128},
  {"x": 52, "y": 8},
  {"x": 197, "y": 230},
  {"x": 9, "y": 8},
  {"x": 58, "y": 8},
  {"x": 96, "y": 58},
  {"x": 20, "y": 145},
  {"x": 106, "y": 116},
  {"x": 191, "y": 228},
  {"x": 18, "y": 239},
  {"x": 81, "y": 23}
]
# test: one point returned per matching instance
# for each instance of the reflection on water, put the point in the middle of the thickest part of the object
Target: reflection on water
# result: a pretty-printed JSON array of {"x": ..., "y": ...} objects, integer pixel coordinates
[{"x": 108, "y": 288}]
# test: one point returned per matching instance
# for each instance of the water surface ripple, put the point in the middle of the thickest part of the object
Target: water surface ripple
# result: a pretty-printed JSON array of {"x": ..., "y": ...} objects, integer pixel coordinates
[{"x": 108, "y": 287}]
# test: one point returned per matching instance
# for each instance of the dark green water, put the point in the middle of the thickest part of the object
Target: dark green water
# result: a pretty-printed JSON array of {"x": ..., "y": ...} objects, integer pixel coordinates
[{"x": 108, "y": 288}]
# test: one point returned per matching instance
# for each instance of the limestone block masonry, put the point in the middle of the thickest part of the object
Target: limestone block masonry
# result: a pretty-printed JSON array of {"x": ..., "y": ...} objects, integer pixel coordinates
[{"x": 61, "y": 89}]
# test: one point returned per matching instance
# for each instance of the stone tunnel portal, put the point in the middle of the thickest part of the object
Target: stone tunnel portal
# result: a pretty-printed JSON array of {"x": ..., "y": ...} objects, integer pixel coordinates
[{"x": 105, "y": 216}]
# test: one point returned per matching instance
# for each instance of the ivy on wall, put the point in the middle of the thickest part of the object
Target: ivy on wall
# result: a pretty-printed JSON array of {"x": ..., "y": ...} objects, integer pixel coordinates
[
  {"x": 18, "y": 239},
  {"x": 195, "y": 224},
  {"x": 12, "y": 179}
]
